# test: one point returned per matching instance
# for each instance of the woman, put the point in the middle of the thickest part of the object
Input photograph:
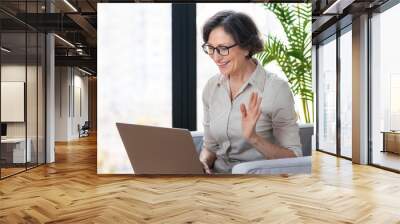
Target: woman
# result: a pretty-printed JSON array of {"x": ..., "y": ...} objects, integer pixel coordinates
[{"x": 248, "y": 113}]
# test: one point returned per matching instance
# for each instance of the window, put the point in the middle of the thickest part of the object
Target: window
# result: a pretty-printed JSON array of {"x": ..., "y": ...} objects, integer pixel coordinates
[
  {"x": 346, "y": 94},
  {"x": 385, "y": 84},
  {"x": 134, "y": 75},
  {"x": 327, "y": 96}
]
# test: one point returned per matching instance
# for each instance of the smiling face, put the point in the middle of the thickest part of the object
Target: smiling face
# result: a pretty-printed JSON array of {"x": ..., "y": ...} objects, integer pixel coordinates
[{"x": 230, "y": 63}]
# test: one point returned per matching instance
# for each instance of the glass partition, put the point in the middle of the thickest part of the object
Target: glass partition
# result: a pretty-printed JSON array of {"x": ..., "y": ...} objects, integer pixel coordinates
[
  {"x": 22, "y": 91},
  {"x": 31, "y": 100},
  {"x": 14, "y": 153}
]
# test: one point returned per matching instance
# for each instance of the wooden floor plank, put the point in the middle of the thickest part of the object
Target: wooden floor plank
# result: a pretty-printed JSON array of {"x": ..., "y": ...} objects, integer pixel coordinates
[{"x": 70, "y": 191}]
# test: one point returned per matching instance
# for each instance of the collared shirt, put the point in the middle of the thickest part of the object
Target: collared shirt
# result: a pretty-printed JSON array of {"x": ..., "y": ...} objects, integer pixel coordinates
[{"x": 222, "y": 118}]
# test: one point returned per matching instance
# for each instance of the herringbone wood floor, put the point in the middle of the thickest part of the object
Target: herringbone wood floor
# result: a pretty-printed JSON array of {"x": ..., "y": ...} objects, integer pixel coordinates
[{"x": 69, "y": 191}]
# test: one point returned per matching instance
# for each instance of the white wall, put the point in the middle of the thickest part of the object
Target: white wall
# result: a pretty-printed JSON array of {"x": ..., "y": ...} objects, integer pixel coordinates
[
  {"x": 61, "y": 103},
  {"x": 13, "y": 73},
  {"x": 80, "y": 102},
  {"x": 70, "y": 88},
  {"x": 17, "y": 73}
]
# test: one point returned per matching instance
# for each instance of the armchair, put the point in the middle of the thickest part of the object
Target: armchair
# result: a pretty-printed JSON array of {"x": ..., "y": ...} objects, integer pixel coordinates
[{"x": 276, "y": 166}]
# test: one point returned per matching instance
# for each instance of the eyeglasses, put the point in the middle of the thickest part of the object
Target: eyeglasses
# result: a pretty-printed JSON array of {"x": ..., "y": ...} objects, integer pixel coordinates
[{"x": 222, "y": 50}]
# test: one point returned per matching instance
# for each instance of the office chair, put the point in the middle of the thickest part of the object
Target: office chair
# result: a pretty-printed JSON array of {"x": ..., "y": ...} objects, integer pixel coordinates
[{"x": 84, "y": 130}]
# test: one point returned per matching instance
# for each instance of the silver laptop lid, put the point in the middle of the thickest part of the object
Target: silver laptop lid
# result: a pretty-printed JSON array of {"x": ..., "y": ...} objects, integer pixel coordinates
[{"x": 156, "y": 150}]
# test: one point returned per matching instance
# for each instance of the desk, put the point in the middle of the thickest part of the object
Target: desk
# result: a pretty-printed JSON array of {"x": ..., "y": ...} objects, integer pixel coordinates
[
  {"x": 391, "y": 141},
  {"x": 15, "y": 148}
]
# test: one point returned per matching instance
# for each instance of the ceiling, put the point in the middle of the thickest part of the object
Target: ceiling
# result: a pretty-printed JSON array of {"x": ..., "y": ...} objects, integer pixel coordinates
[
  {"x": 74, "y": 21},
  {"x": 328, "y": 16}
]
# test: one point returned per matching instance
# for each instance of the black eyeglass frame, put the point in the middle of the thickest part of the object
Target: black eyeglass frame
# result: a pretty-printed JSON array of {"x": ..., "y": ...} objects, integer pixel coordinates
[{"x": 217, "y": 48}]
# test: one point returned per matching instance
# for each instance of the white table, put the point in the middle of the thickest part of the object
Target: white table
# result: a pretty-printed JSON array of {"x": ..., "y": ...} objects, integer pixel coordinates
[{"x": 18, "y": 149}]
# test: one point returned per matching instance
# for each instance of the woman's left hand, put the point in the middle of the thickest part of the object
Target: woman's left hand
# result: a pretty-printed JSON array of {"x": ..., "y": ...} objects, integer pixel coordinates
[{"x": 250, "y": 116}]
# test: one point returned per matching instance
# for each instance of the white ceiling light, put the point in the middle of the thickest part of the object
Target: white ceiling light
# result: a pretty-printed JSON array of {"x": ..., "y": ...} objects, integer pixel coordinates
[
  {"x": 70, "y": 5},
  {"x": 5, "y": 50},
  {"x": 64, "y": 40},
  {"x": 337, "y": 7},
  {"x": 84, "y": 71}
]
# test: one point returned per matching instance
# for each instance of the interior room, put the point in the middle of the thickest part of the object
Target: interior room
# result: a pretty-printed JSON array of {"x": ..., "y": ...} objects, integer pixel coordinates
[{"x": 71, "y": 69}]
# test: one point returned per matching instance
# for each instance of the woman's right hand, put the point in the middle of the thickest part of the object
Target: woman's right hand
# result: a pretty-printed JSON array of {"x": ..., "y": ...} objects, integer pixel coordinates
[
  {"x": 207, "y": 158},
  {"x": 206, "y": 168}
]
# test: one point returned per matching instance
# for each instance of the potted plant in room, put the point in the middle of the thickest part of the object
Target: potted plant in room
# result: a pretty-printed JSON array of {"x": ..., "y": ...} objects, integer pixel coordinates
[{"x": 293, "y": 55}]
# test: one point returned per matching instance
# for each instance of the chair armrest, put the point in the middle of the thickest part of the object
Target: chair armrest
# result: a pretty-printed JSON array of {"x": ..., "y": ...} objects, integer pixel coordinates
[
  {"x": 276, "y": 166},
  {"x": 197, "y": 140},
  {"x": 295, "y": 165},
  {"x": 306, "y": 132}
]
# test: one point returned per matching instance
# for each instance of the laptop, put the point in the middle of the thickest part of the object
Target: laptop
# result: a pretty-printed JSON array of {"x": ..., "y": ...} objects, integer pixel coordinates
[{"x": 157, "y": 150}]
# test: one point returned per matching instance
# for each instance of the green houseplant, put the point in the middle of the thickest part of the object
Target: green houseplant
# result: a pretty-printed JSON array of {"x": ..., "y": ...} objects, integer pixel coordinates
[{"x": 293, "y": 55}]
